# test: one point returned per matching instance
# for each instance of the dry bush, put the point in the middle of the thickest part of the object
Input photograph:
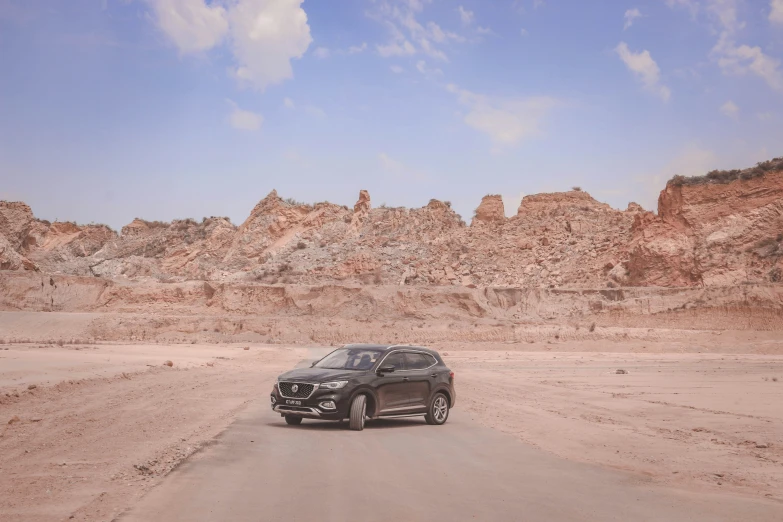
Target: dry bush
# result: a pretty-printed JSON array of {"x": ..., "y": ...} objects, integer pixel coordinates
[
  {"x": 60, "y": 342},
  {"x": 592, "y": 327},
  {"x": 301, "y": 245},
  {"x": 576, "y": 189},
  {"x": 2, "y": 341}
]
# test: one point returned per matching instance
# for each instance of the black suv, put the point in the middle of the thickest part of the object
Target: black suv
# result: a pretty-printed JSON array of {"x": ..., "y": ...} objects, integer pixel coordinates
[{"x": 360, "y": 381}]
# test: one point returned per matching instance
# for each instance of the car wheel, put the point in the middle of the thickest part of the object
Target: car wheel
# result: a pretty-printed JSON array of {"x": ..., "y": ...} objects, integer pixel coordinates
[
  {"x": 292, "y": 420},
  {"x": 439, "y": 410},
  {"x": 358, "y": 412}
]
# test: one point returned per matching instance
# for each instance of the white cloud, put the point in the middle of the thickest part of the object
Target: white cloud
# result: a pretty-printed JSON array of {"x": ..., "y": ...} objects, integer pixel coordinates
[
  {"x": 244, "y": 120},
  {"x": 422, "y": 67},
  {"x": 408, "y": 35},
  {"x": 765, "y": 116},
  {"x": 396, "y": 69},
  {"x": 191, "y": 25},
  {"x": 691, "y": 5},
  {"x": 403, "y": 48},
  {"x": 743, "y": 59},
  {"x": 523, "y": 32},
  {"x": 730, "y": 109},
  {"x": 726, "y": 13},
  {"x": 630, "y": 16},
  {"x": 776, "y": 11},
  {"x": 354, "y": 49},
  {"x": 312, "y": 110},
  {"x": 645, "y": 68},
  {"x": 265, "y": 35},
  {"x": 484, "y": 30},
  {"x": 321, "y": 52},
  {"x": 506, "y": 121},
  {"x": 400, "y": 170},
  {"x": 465, "y": 15}
]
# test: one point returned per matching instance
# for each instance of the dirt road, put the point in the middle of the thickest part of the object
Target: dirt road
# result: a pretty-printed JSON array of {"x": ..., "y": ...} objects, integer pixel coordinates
[{"x": 262, "y": 469}]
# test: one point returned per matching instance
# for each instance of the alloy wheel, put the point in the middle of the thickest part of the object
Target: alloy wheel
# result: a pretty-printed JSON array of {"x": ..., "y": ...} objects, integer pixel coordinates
[{"x": 440, "y": 409}]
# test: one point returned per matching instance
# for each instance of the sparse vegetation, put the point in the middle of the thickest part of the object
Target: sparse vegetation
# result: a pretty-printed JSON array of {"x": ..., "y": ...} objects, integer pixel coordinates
[
  {"x": 727, "y": 176},
  {"x": 592, "y": 327},
  {"x": 576, "y": 189},
  {"x": 301, "y": 245},
  {"x": 296, "y": 203}
]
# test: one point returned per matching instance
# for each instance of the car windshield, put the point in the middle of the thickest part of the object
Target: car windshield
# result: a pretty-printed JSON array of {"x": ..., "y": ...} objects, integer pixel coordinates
[{"x": 349, "y": 359}]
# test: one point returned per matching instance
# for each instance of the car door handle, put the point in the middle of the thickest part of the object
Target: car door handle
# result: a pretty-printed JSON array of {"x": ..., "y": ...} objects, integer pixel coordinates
[
  {"x": 405, "y": 379},
  {"x": 434, "y": 375}
]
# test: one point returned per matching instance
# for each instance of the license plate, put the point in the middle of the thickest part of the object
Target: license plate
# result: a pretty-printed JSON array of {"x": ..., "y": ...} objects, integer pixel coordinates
[{"x": 294, "y": 403}]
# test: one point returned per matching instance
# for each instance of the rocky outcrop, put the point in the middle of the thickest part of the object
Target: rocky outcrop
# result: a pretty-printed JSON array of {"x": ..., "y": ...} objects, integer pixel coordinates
[
  {"x": 360, "y": 211},
  {"x": 722, "y": 229},
  {"x": 712, "y": 233},
  {"x": 490, "y": 210}
]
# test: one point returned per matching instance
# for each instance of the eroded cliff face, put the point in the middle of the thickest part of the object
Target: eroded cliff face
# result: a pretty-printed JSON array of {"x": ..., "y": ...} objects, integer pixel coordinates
[
  {"x": 712, "y": 234},
  {"x": 719, "y": 230}
]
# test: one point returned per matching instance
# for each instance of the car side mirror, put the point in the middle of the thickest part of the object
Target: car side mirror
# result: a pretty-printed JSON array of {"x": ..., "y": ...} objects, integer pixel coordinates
[
  {"x": 385, "y": 369},
  {"x": 312, "y": 364}
]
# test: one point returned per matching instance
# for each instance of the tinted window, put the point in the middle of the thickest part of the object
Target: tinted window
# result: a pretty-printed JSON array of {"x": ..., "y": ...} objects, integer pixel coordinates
[
  {"x": 395, "y": 360},
  {"x": 418, "y": 361},
  {"x": 349, "y": 359}
]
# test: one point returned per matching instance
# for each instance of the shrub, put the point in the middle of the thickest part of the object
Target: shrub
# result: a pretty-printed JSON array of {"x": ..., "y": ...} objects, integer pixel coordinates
[
  {"x": 592, "y": 327},
  {"x": 297, "y": 203},
  {"x": 576, "y": 189},
  {"x": 301, "y": 245},
  {"x": 727, "y": 176}
]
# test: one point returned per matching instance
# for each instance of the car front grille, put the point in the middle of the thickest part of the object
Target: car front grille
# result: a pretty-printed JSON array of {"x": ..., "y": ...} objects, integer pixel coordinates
[{"x": 303, "y": 389}]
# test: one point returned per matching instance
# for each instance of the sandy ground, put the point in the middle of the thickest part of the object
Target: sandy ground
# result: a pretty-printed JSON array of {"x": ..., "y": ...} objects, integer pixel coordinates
[{"x": 86, "y": 432}]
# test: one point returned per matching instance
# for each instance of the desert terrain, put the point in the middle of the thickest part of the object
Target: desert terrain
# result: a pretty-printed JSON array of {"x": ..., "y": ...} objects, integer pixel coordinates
[
  {"x": 88, "y": 429},
  {"x": 637, "y": 349}
]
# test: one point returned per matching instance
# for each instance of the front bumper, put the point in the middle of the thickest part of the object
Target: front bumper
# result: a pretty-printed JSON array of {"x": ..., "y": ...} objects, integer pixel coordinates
[{"x": 311, "y": 407}]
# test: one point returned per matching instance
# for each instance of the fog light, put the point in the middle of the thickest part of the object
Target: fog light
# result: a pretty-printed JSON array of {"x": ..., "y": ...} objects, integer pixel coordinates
[
  {"x": 328, "y": 405},
  {"x": 272, "y": 398}
]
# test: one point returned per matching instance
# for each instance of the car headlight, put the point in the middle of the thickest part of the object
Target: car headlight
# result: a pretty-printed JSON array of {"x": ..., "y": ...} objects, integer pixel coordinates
[{"x": 334, "y": 385}]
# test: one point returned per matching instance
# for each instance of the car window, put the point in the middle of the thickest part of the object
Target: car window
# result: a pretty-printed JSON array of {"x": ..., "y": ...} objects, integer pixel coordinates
[
  {"x": 396, "y": 360},
  {"x": 417, "y": 361},
  {"x": 349, "y": 359}
]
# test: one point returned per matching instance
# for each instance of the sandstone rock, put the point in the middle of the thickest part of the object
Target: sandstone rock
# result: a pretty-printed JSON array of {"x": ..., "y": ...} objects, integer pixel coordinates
[{"x": 490, "y": 210}]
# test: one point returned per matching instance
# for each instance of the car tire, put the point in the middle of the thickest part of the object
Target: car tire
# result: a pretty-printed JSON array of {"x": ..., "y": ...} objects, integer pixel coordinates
[
  {"x": 358, "y": 413},
  {"x": 438, "y": 412},
  {"x": 293, "y": 420}
]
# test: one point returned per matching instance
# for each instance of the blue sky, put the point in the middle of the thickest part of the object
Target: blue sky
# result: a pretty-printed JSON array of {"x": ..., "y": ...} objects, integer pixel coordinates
[{"x": 163, "y": 109}]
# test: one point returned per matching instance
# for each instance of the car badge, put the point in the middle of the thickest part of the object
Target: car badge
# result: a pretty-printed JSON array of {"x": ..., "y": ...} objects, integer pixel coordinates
[{"x": 295, "y": 388}]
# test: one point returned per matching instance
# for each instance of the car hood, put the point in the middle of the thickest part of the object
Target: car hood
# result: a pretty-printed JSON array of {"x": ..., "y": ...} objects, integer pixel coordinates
[{"x": 318, "y": 375}]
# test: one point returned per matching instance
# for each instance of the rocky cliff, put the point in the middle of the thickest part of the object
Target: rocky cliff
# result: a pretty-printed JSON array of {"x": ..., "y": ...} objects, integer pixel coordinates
[{"x": 722, "y": 229}]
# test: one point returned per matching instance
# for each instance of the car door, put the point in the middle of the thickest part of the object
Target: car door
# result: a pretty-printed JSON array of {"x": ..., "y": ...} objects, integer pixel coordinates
[
  {"x": 392, "y": 388},
  {"x": 420, "y": 378}
]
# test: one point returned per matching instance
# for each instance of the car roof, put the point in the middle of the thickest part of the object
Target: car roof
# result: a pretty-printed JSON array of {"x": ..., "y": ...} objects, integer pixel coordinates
[{"x": 387, "y": 347}]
